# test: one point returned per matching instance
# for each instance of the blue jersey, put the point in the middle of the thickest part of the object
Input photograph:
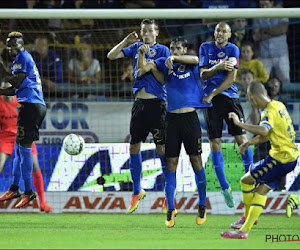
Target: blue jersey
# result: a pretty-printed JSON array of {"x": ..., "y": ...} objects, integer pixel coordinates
[
  {"x": 30, "y": 89},
  {"x": 210, "y": 55},
  {"x": 147, "y": 81},
  {"x": 184, "y": 88}
]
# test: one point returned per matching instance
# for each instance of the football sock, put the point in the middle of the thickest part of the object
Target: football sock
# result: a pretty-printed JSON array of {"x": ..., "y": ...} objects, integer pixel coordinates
[
  {"x": 135, "y": 166},
  {"x": 247, "y": 196},
  {"x": 170, "y": 186},
  {"x": 16, "y": 166},
  {"x": 247, "y": 159},
  {"x": 257, "y": 206},
  {"x": 201, "y": 186},
  {"x": 26, "y": 167},
  {"x": 38, "y": 183},
  {"x": 218, "y": 165}
]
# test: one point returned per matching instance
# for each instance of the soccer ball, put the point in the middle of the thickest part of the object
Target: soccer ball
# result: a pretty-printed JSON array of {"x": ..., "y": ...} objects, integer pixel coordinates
[{"x": 73, "y": 144}]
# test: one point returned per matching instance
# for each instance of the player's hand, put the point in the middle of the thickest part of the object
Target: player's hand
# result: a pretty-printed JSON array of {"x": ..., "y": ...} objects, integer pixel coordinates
[
  {"x": 145, "y": 48},
  {"x": 140, "y": 72},
  {"x": 207, "y": 99},
  {"x": 132, "y": 38},
  {"x": 243, "y": 147},
  {"x": 234, "y": 117},
  {"x": 169, "y": 62},
  {"x": 224, "y": 64}
]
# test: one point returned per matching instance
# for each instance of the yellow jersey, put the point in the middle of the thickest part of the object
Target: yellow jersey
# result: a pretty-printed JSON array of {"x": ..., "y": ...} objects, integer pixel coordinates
[{"x": 276, "y": 118}]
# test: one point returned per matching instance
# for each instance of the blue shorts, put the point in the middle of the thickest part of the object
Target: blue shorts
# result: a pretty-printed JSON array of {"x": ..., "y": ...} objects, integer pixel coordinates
[{"x": 270, "y": 171}]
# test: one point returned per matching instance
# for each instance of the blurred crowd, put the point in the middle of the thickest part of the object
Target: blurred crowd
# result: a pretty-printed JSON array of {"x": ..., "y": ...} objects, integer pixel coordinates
[{"x": 74, "y": 50}]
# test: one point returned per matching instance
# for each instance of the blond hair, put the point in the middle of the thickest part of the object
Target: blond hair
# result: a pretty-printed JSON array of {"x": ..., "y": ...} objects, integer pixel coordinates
[{"x": 16, "y": 34}]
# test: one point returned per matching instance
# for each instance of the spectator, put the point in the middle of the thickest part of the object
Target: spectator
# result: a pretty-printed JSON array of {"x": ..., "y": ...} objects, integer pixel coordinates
[
  {"x": 270, "y": 34},
  {"x": 246, "y": 77},
  {"x": 255, "y": 65},
  {"x": 240, "y": 33},
  {"x": 48, "y": 63},
  {"x": 126, "y": 81},
  {"x": 273, "y": 87},
  {"x": 84, "y": 69},
  {"x": 211, "y": 23}
]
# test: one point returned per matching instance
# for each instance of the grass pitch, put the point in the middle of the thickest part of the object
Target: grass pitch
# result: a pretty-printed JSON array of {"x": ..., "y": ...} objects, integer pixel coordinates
[{"x": 137, "y": 231}]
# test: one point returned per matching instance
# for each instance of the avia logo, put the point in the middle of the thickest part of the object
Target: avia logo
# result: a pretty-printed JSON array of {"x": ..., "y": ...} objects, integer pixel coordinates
[
  {"x": 182, "y": 203},
  {"x": 110, "y": 202},
  {"x": 281, "y": 238}
]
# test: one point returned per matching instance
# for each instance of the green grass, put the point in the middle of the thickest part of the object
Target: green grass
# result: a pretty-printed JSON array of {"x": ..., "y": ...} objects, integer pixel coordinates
[{"x": 135, "y": 231}]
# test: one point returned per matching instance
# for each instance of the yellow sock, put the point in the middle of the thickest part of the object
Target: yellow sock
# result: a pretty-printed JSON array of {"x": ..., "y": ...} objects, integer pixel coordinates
[
  {"x": 257, "y": 205},
  {"x": 247, "y": 195}
]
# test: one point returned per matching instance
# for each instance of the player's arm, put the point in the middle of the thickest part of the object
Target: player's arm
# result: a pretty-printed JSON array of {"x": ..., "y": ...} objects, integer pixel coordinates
[
  {"x": 116, "y": 51},
  {"x": 7, "y": 91},
  {"x": 145, "y": 67},
  {"x": 254, "y": 129},
  {"x": 229, "y": 80},
  {"x": 14, "y": 79},
  {"x": 224, "y": 64},
  {"x": 141, "y": 60},
  {"x": 255, "y": 140},
  {"x": 187, "y": 59}
]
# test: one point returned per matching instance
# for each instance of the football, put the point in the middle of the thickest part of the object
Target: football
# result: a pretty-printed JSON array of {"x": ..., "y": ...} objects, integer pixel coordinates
[{"x": 73, "y": 144}]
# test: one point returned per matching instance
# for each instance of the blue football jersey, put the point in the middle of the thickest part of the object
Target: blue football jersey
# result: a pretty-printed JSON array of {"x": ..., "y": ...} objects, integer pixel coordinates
[
  {"x": 31, "y": 87},
  {"x": 148, "y": 81},
  {"x": 184, "y": 88},
  {"x": 210, "y": 55}
]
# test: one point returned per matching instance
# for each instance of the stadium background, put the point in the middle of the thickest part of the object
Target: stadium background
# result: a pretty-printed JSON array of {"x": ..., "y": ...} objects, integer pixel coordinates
[{"x": 100, "y": 112}]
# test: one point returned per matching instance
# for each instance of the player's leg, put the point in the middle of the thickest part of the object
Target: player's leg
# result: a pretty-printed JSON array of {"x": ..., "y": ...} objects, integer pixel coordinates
[
  {"x": 30, "y": 118},
  {"x": 38, "y": 181},
  {"x": 200, "y": 179},
  {"x": 214, "y": 124},
  {"x": 248, "y": 187},
  {"x": 158, "y": 117},
  {"x": 239, "y": 134},
  {"x": 13, "y": 191},
  {"x": 257, "y": 204},
  {"x": 138, "y": 132},
  {"x": 292, "y": 204},
  {"x": 192, "y": 140},
  {"x": 173, "y": 147},
  {"x": 170, "y": 188}
]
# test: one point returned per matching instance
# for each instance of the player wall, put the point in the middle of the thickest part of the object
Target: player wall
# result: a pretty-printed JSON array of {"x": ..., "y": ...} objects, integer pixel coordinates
[{"x": 109, "y": 121}]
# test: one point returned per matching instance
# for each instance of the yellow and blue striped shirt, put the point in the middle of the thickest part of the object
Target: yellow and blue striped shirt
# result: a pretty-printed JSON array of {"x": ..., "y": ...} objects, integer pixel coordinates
[{"x": 276, "y": 118}]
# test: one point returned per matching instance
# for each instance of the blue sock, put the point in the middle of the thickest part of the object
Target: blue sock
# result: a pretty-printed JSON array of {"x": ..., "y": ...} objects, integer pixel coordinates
[
  {"x": 163, "y": 163},
  {"x": 200, "y": 178},
  {"x": 170, "y": 186},
  {"x": 135, "y": 165},
  {"x": 16, "y": 166},
  {"x": 218, "y": 164},
  {"x": 247, "y": 159},
  {"x": 26, "y": 167}
]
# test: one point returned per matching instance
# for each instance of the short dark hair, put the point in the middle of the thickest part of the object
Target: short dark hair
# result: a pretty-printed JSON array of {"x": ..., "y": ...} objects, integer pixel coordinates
[
  {"x": 181, "y": 40},
  {"x": 245, "y": 71},
  {"x": 149, "y": 21}
]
